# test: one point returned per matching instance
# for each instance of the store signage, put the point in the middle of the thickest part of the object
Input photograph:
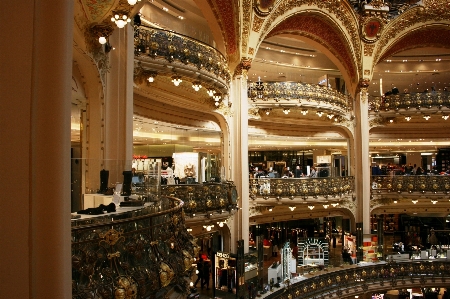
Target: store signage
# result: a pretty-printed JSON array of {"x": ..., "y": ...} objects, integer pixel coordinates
[{"x": 223, "y": 255}]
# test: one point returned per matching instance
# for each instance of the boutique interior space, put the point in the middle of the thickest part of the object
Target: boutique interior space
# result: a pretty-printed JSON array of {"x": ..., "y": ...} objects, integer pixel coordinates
[{"x": 294, "y": 149}]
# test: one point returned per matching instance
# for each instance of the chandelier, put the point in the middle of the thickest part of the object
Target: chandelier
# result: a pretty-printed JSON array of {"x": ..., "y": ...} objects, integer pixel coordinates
[
  {"x": 196, "y": 85},
  {"x": 256, "y": 90},
  {"x": 176, "y": 80},
  {"x": 120, "y": 18}
]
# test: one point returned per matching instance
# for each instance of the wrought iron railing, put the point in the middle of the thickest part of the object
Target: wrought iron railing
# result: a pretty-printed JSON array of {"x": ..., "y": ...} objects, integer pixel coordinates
[
  {"x": 433, "y": 184},
  {"x": 171, "y": 46},
  {"x": 133, "y": 255},
  {"x": 428, "y": 100},
  {"x": 370, "y": 278},
  {"x": 206, "y": 197},
  {"x": 302, "y": 188},
  {"x": 303, "y": 92}
]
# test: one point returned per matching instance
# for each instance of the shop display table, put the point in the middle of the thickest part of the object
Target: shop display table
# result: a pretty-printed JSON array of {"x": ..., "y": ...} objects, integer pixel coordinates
[
  {"x": 274, "y": 272},
  {"x": 94, "y": 200}
]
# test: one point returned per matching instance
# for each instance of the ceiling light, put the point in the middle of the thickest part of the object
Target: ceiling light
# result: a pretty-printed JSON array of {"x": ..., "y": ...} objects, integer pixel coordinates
[
  {"x": 304, "y": 111},
  {"x": 120, "y": 19},
  {"x": 330, "y": 116},
  {"x": 196, "y": 85},
  {"x": 427, "y": 117},
  {"x": 102, "y": 40},
  {"x": 176, "y": 80},
  {"x": 326, "y": 206},
  {"x": 133, "y": 2},
  {"x": 286, "y": 110},
  {"x": 319, "y": 113},
  {"x": 210, "y": 92},
  {"x": 310, "y": 207},
  {"x": 292, "y": 208},
  {"x": 434, "y": 201},
  {"x": 181, "y": 17},
  {"x": 395, "y": 201},
  {"x": 408, "y": 118},
  {"x": 217, "y": 96},
  {"x": 335, "y": 204},
  {"x": 445, "y": 116},
  {"x": 270, "y": 209},
  {"x": 414, "y": 201}
]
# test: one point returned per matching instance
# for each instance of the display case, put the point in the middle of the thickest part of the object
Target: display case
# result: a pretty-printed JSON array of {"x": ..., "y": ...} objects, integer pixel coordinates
[{"x": 313, "y": 251}]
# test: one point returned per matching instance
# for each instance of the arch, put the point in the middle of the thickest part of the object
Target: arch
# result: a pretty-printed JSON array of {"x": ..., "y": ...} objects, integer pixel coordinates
[{"x": 426, "y": 36}]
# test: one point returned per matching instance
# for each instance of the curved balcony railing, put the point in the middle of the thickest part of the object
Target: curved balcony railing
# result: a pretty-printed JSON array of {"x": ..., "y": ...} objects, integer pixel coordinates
[
  {"x": 303, "y": 92},
  {"x": 432, "y": 184},
  {"x": 204, "y": 198},
  {"x": 301, "y": 188},
  {"x": 135, "y": 254},
  {"x": 160, "y": 43},
  {"x": 428, "y": 100},
  {"x": 357, "y": 280}
]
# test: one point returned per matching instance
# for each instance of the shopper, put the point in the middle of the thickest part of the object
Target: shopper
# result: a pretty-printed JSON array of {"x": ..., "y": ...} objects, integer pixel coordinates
[
  {"x": 206, "y": 273},
  {"x": 200, "y": 272}
]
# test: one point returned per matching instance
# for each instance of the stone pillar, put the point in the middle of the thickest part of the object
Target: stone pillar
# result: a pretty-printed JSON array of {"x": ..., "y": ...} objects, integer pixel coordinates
[
  {"x": 239, "y": 158},
  {"x": 119, "y": 105},
  {"x": 362, "y": 162},
  {"x": 36, "y": 62}
]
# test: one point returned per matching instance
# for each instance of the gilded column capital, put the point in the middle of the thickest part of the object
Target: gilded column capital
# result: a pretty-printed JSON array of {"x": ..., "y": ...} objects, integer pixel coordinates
[{"x": 243, "y": 67}]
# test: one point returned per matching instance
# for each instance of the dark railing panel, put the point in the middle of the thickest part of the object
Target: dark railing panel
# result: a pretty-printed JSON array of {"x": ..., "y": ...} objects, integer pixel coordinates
[
  {"x": 434, "y": 184},
  {"x": 429, "y": 100},
  {"x": 357, "y": 280},
  {"x": 135, "y": 255},
  {"x": 333, "y": 187},
  {"x": 202, "y": 198}
]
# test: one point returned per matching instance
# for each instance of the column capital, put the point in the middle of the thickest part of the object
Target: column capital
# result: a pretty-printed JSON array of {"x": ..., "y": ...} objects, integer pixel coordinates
[{"x": 243, "y": 67}]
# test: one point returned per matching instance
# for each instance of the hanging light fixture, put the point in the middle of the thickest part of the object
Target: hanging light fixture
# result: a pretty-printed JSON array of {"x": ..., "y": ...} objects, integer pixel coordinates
[
  {"x": 210, "y": 91},
  {"x": 427, "y": 117},
  {"x": 133, "y": 2},
  {"x": 304, "y": 111},
  {"x": 176, "y": 80},
  {"x": 330, "y": 116},
  {"x": 326, "y": 206},
  {"x": 335, "y": 204},
  {"x": 217, "y": 96},
  {"x": 120, "y": 18},
  {"x": 286, "y": 110},
  {"x": 408, "y": 118},
  {"x": 434, "y": 201},
  {"x": 445, "y": 116},
  {"x": 311, "y": 207},
  {"x": 319, "y": 113},
  {"x": 292, "y": 208},
  {"x": 414, "y": 201},
  {"x": 196, "y": 85}
]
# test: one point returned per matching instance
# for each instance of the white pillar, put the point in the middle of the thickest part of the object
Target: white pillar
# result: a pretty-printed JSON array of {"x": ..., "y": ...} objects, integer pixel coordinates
[
  {"x": 119, "y": 104},
  {"x": 362, "y": 161},
  {"x": 239, "y": 158},
  {"x": 36, "y": 61}
]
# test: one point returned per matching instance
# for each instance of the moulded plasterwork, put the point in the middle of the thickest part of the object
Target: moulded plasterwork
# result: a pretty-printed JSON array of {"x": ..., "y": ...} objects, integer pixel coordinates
[
  {"x": 246, "y": 20},
  {"x": 243, "y": 67},
  {"x": 377, "y": 121},
  {"x": 431, "y": 11},
  {"x": 257, "y": 23},
  {"x": 368, "y": 49}
]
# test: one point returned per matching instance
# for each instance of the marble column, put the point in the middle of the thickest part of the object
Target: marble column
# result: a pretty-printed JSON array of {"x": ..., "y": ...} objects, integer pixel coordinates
[
  {"x": 239, "y": 158},
  {"x": 36, "y": 63}
]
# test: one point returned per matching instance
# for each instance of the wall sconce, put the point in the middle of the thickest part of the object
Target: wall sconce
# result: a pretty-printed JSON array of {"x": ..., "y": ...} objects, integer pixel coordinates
[
  {"x": 304, "y": 111},
  {"x": 210, "y": 91},
  {"x": 196, "y": 85},
  {"x": 310, "y": 207},
  {"x": 445, "y": 116},
  {"x": 427, "y": 117},
  {"x": 176, "y": 80},
  {"x": 414, "y": 201},
  {"x": 120, "y": 18},
  {"x": 408, "y": 118},
  {"x": 292, "y": 208},
  {"x": 319, "y": 113}
]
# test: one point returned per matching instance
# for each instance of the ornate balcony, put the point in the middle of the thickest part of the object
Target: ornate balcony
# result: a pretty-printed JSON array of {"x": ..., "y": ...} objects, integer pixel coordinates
[
  {"x": 430, "y": 101},
  {"x": 133, "y": 255},
  {"x": 303, "y": 188},
  {"x": 157, "y": 48},
  {"x": 361, "y": 279},
  {"x": 411, "y": 184},
  {"x": 205, "y": 198}
]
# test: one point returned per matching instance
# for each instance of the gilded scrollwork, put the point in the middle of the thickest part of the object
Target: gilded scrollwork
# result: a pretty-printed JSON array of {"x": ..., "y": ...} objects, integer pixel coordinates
[
  {"x": 368, "y": 49},
  {"x": 376, "y": 121},
  {"x": 246, "y": 11},
  {"x": 257, "y": 23}
]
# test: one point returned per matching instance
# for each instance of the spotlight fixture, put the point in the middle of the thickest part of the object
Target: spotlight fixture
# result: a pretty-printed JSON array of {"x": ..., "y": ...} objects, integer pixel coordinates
[
  {"x": 304, "y": 111},
  {"x": 319, "y": 113},
  {"x": 292, "y": 208},
  {"x": 311, "y": 207},
  {"x": 427, "y": 117},
  {"x": 120, "y": 18},
  {"x": 445, "y": 116},
  {"x": 210, "y": 91},
  {"x": 196, "y": 85},
  {"x": 414, "y": 201},
  {"x": 176, "y": 80},
  {"x": 408, "y": 118}
]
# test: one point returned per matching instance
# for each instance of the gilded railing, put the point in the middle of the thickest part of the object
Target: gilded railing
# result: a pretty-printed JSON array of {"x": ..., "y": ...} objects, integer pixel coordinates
[
  {"x": 428, "y": 100},
  {"x": 304, "y": 188},
  {"x": 160, "y": 43},
  {"x": 133, "y": 255},
  {"x": 296, "y": 91},
  {"x": 363, "y": 279},
  {"x": 433, "y": 184},
  {"x": 206, "y": 197}
]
